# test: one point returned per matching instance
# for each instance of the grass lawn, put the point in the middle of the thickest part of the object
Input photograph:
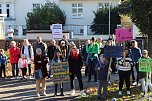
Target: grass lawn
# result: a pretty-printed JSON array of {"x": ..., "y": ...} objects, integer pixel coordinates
[{"x": 136, "y": 94}]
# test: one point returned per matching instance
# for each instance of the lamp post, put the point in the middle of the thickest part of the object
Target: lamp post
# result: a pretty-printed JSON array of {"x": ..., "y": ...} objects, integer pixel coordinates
[{"x": 109, "y": 16}]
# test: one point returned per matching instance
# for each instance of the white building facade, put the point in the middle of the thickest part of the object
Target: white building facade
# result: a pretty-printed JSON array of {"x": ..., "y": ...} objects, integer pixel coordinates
[{"x": 79, "y": 14}]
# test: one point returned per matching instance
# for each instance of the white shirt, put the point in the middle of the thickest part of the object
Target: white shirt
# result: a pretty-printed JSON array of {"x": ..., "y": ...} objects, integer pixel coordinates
[
  {"x": 26, "y": 52},
  {"x": 10, "y": 32}
]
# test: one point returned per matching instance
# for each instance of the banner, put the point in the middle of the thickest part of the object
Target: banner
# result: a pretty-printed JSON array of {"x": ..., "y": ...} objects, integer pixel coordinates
[
  {"x": 124, "y": 34},
  {"x": 60, "y": 72},
  {"x": 113, "y": 51},
  {"x": 145, "y": 65},
  {"x": 57, "y": 31}
]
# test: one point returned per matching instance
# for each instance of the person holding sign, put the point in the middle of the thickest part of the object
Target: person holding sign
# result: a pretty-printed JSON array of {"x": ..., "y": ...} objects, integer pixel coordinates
[
  {"x": 142, "y": 75},
  {"x": 124, "y": 67},
  {"x": 57, "y": 59},
  {"x": 40, "y": 62},
  {"x": 75, "y": 66}
]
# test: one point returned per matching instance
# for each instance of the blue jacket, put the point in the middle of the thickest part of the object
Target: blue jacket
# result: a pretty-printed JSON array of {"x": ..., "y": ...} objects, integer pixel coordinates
[
  {"x": 3, "y": 59},
  {"x": 103, "y": 72},
  {"x": 135, "y": 54}
]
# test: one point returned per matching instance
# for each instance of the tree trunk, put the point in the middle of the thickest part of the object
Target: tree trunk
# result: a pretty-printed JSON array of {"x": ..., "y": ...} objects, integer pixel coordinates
[{"x": 150, "y": 45}]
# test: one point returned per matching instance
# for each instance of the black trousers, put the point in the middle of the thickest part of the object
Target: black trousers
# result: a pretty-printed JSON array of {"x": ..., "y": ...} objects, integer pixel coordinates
[
  {"x": 79, "y": 77},
  {"x": 132, "y": 72},
  {"x": 124, "y": 75},
  {"x": 29, "y": 69},
  {"x": 3, "y": 69},
  {"x": 61, "y": 88},
  {"x": 91, "y": 67},
  {"x": 23, "y": 71}
]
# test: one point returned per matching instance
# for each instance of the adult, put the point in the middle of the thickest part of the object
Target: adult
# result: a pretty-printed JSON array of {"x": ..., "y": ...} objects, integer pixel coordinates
[
  {"x": 10, "y": 33},
  {"x": 135, "y": 55},
  {"x": 75, "y": 66},
  {"x": 39, "y": 44},
  {"x": 99, "y": 41},
  {"x": 65, "y": 40},
  {"x": 93, "y": 51},
  {"x": 52, "y": 48},
  {"x": 14, "y": 57},
  {"x": 64, "y": 50},
  {"x": 27, "y": 49},
  {"x": 40, "y": 62}
]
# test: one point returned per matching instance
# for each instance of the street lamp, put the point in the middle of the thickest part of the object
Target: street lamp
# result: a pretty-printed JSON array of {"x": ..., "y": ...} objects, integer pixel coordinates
[{"x": 109, "y": 15}]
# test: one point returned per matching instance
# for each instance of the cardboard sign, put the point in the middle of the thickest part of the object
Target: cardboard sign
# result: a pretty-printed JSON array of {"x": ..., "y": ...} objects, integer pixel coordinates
[
  {"x": 124, "y": 34},
  {"x": 145, "y": 65},
  {"x": 57, "y": 31},
  {"x": 113, "y": 51},
  {"x": 60, "y": 72}
]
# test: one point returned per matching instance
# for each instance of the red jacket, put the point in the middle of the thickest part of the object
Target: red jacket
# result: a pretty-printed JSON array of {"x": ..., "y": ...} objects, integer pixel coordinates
[{"x": 14, "y": 54}]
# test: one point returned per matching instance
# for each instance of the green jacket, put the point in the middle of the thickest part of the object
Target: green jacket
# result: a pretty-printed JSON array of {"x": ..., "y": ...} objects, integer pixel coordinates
[{"x": 94, "y": 49}]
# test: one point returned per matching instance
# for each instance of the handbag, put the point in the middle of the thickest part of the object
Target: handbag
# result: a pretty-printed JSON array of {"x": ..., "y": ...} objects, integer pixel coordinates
[{"x": 38, "y": 74}]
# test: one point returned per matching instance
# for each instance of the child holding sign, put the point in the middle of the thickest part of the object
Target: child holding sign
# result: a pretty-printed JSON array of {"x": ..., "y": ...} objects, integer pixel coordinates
[
  {"x": 142, "y": 75},
  {"x": 57, "y": 59},
  {"x": 124, "y": 67}
]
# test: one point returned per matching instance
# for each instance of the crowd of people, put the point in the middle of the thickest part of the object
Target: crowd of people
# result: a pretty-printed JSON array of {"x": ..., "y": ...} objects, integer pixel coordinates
[{"x": 91, "y": 56}]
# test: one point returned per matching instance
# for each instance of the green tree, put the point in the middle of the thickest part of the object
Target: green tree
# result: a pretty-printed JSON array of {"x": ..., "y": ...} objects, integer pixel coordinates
[
  {"x": 140, "y": 12},
  {"x": 100, "y": 24},
  {"x": 42, "y": 17}
]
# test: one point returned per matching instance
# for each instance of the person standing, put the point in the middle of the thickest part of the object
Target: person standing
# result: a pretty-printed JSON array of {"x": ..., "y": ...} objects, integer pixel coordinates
[
  {"x": 64, "y": 50},
  {"x": 10, "y": 33},
  {"x": 102, "y": 73},
  {"x": 93, "y": 51},
  {"x": 40, "y": 62},
  {"x": 75, "y": 66},
  {"x": 27, "y": 49},
  {"x": 14, "y": 57},
  {"x": 124, "y": 67},
  {"x": 3, "y": 62},
  {"x": 50, "y": 54},
  {"x": 135, "y": 55},
  {"x": 40, "y": 44},
  {"x": 65, "y": 40}
]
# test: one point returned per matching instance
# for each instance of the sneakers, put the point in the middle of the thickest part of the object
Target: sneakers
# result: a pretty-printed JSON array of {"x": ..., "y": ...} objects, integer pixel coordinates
[
  {"x": 38, "y": 94},
  {"x": 44, "y": 94},
  {"x": 128, "y": 92},
  {"x": 17, "y": 77},
  {"x": 13, "y": 78},
  {"x": 134, "y": 84},
  {"x": 120, "y": 92},
  {"x": 73, "y": 92},
  {"x": 82, "y": 93}
]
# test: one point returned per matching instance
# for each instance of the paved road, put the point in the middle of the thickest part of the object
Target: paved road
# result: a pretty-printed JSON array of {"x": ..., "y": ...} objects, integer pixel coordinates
[{"x": 16, "y": 90}]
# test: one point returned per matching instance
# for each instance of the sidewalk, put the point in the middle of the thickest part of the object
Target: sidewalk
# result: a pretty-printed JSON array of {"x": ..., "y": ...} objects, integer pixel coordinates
[{"x": 16, "y": 90}]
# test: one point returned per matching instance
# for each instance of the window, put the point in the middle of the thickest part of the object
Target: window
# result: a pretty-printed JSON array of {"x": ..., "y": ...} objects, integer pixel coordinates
[
  {"x": 8, "y": 10},
  {"x": 106, "y": 5},
  {"x": 36, "y": 5},
  {"x": 0, "y": 8},
  {"x": 77, "y": 10},
  {"x": 100, "y": 6}
]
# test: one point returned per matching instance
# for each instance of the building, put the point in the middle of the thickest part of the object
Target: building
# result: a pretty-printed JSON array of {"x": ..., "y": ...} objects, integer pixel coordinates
[{"x": 79, "y": 14}]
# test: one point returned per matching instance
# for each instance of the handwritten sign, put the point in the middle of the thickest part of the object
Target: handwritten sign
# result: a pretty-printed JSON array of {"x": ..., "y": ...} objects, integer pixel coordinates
[
  {"x": 113, "y": 51},
  {"x": 57, "y": 31},
  {"x": 60, "y": 72},
  {"x": 123, "y": 34},
  {"x": 145, "y": 65}
]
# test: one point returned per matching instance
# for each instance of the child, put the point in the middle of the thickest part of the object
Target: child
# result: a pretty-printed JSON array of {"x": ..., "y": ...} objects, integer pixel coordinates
[
  {"x": 57, "y": 59},
  {"x": 142, "y": 75},
  {"x": 102, "y": 73},
  {"x": 3, "y": 62},
  {"x": 23, "y": 64},
  {"x": 124, "y": 67}
]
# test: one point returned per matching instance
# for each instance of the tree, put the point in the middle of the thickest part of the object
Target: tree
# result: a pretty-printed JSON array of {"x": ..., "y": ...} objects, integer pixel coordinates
[
  {"x": 42, "y": 17},
  {"x": 140, "y": 13},
  {"x": 100, "y": 23}
]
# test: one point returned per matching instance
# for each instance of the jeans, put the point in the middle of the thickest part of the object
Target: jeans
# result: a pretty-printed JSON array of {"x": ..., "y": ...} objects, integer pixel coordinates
[
  {"x": 102, "y": 84},
  {"x": 15, "y": 67},
  {"x": 137, "y": 70},
  {"x": 3, "y": 69},
  {"x": 94, "y": 63},
  {"x": 50, "y": 69}
]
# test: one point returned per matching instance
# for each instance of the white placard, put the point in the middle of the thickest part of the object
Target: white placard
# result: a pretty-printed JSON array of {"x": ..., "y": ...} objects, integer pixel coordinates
[{"x": 57, "y": 31}]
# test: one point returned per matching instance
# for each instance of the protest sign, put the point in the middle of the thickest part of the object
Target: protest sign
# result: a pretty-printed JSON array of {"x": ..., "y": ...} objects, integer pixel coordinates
[
  {"x": 57, "y": 31},
  {"x": 145, "y": 65},
  {"x": 113, "y": 51},
  {"x": 123, "y": 34},
  {"x": 60, "y": 72}
]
